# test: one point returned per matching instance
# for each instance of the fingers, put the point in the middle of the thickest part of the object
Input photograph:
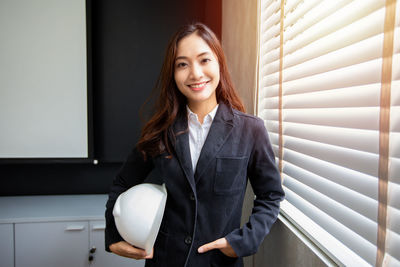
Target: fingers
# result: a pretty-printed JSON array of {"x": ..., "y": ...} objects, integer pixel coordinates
[
  {"x": 124, "y": 249},
  {"x": 228, "y": 251},
  {"x": 150, "y": 256},
  {"x": 221, "y": 244},
  {"x": 217, "y": 244}
]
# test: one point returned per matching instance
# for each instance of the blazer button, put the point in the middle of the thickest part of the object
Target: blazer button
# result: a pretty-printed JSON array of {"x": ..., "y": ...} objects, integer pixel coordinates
[
  {"x": 192, "y": 196},
  {"x": 188, "y": 240}
]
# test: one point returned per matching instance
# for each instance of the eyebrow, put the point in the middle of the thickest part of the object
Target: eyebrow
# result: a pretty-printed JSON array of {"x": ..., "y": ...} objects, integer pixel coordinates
[{"x": 199, "y": 55}]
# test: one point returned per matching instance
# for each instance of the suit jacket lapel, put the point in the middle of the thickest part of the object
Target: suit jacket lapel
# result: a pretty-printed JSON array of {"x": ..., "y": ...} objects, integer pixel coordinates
[
  {"x": 182, "y": 149},
  {"x": 220, "y": 130}
]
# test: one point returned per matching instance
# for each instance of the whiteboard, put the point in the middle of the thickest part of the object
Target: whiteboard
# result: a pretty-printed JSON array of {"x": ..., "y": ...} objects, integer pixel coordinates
[{"x": 43, "y": 79}]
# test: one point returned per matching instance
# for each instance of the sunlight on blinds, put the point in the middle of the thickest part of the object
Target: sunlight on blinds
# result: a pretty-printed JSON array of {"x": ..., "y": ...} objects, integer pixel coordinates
[{"x": 330, "y": 119}]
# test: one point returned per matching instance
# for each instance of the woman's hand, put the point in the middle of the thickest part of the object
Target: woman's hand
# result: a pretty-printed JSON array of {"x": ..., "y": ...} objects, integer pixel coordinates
[
  {"x": 125, "y": 249},
  {"x": 221, "y": 244}
]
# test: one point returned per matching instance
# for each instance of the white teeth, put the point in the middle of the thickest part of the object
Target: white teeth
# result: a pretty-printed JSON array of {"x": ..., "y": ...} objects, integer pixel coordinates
[{"x": 197, "y": 85}]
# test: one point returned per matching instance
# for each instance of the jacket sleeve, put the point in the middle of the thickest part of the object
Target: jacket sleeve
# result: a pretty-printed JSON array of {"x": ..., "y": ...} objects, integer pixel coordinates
[
  {"x": 133, "y": 172},
  {"x": 266, "y": 183}
]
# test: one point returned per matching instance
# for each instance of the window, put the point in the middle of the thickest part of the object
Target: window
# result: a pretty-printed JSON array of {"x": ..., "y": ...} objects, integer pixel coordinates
[{"x": 329, "y": 92}]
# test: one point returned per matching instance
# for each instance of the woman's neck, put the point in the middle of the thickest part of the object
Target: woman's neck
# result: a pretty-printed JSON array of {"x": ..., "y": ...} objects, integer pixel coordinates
[{"x": 202, "y": 109}]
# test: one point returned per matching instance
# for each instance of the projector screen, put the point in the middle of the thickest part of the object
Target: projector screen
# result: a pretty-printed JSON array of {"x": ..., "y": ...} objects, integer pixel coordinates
[{"x": 43, "y": 79}]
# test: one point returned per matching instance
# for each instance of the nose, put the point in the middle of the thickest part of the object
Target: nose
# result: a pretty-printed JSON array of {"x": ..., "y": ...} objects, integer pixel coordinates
[{"x": 196, "y": 72}]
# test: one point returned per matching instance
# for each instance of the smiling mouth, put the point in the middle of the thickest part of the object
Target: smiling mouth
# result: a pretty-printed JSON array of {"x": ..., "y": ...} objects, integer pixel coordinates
[{"x": 198, "y": 85}]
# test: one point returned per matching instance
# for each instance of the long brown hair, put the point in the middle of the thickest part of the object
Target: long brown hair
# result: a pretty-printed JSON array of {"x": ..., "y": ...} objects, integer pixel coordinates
[{"x": 171, "y": 102}]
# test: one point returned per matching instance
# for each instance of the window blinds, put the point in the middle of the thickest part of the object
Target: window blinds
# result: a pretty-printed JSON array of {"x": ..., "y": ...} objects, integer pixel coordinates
[{"x": 320, "y": 86}]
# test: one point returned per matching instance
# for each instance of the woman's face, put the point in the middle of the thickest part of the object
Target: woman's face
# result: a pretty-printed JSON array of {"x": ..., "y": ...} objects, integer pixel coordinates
[{"x": 196, "y": 71}]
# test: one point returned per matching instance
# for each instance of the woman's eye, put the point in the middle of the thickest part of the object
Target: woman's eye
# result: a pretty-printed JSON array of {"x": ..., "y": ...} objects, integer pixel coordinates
[
  {"x": 181, "y": 65},
  {"x": 205, "y": 60}
]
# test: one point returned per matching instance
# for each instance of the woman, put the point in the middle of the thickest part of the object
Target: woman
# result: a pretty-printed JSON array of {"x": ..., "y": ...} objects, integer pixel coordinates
[{"x": 206, "y": 148}]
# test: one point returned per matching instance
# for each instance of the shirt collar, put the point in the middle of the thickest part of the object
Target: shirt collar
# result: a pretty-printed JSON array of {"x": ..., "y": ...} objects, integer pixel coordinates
[{"x": 210, "y": 116}]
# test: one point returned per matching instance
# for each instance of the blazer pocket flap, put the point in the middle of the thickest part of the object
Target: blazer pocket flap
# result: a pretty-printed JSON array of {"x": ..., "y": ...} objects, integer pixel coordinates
[{"x": 230, "y": 175}]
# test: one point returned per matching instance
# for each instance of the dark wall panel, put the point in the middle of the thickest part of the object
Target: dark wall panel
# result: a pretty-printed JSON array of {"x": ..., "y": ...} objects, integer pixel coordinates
[{"x": 131, "y": 40}]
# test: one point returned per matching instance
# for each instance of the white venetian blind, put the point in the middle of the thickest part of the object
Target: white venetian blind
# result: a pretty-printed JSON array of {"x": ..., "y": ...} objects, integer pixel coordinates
[{"x": 324, "y": 120}]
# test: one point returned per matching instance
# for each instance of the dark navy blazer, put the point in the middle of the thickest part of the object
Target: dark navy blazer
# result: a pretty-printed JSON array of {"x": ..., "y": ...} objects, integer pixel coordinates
[{"x": 207, "y": 205}]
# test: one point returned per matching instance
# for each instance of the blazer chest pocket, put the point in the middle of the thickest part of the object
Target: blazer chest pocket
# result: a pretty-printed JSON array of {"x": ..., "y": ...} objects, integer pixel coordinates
[{"x": 230, "y": 176}]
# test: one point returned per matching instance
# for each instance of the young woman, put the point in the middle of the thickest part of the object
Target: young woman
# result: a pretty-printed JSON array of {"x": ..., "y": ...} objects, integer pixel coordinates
[{"x": 206, "y": 149}]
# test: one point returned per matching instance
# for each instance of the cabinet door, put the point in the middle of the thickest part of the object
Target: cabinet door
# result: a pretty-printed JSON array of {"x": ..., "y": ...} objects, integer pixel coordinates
[
  {"x": 7, "y": 245},
  {"x": 102, "y": 258},
  {"x": 49, "y": 244}
]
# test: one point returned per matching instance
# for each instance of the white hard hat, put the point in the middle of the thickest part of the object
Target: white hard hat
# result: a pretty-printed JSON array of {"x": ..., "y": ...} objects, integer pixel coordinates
[{"x": 138, "y": 213}]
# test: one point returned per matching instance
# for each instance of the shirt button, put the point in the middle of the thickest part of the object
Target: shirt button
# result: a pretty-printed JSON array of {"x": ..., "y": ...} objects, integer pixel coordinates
[
  {"x": 192, "y": 196},
  {"x": 188, "y": 240}
]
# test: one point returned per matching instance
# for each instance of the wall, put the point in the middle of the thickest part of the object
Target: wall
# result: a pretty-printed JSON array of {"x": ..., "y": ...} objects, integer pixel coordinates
[
  {"x": 239, "y": 40},
  {"x": 283, "y": 248}
]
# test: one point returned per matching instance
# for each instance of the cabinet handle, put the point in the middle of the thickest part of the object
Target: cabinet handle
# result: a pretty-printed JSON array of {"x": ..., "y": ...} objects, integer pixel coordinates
[
  {"x": 75, "y": 228},
  {"x": 99, "y": 227}
]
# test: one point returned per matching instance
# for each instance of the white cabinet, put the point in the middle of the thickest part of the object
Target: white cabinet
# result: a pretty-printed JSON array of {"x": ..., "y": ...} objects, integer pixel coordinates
[
  {"x": 7, "y": 245},
  {"x": 48, "y": 231},
  {"x": 61, "y": 244}
]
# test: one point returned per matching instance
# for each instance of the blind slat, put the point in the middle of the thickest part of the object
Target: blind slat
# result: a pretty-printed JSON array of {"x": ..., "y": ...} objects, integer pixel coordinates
[
  {"x": 269, "y": 8},
  {"x": 358, "y": 224},
  {"x": 271, "y": 30},
  {"x": 394, "y": 146},
  {"x": 338, "y": 40},
  {"x": 392, "y": 248},
  {"x": 356, "y": 118},
  {"x": 396, "y": 67},
  {"x": 395, "y": 119},
  {"x": 269, "y": 54},
  {"x": 394, "y": 197},
  {"x": 268, "y": 91},
  {"x": 270, "y": 79},
  {"x": 274, "y": 137},
  {"x": 365, "y": 50},
  {"x": 394, "y": 170},
  {"x": 357, "y": 202},
  {"x": 332, "y": 22},
  {"x": 271, "y": 20},
  {"x": 337, "y": 250},
  {"x": 271, "y": 45},
  {"x": 394, "y": 219},
  {"x": 272, "y": 126},
  {"x": 349, "y": 238},
  {"x": 270, "y": 114},
  {"x": 354, "y": 180},
  {"x": 392, "y": 245},
  {"x": 362, "y": 140},
  {"x": 395, "y": 94},
  {"x": 365, "y": 73},
  {"x": 270, "y": 103},
  {"x": 299, "y": 12},
  {"x": 290, "y": 5},
  {"x": 356, "y": 96},
  {"x": 270, "y": 68},
  {"x": 356, "y": 160},
  {"x": 313, "y": 16},
  {"x": 390, "y": 261}
]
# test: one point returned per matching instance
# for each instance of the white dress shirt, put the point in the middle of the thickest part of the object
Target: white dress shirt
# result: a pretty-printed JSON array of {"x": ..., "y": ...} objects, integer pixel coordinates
[{"x": 198, "y": 133}]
